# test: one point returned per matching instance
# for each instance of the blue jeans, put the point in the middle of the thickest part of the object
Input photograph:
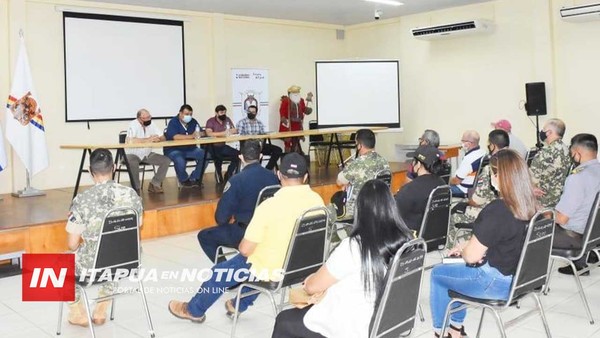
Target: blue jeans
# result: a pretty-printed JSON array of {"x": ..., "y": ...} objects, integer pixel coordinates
[
  {"x": 482, "y": 282},
  {"x": 180, "y": 157},
  {"x": 212, "y": 289},
  {"x": 456, "y": 192},
  {"x": 223, "y": 234}
]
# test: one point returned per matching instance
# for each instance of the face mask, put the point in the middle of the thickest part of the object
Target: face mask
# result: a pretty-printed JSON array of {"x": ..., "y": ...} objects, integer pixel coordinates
[
  {"x": 543, "y": 136},
  {"x": 222, "y": 117},
  {"x": 494, "y": 183},
  {"x": 574, "y": 160},
  {"x": 295, "y": 98},
  {"x": 147, "y": 123},
  {"x": 465, "y": 147},
  {"x": 415, "y": 170},
  {"x": 251, "y": 116},
  {"x": 187, "y": 118},
  {"x": 490, "y": 149}
]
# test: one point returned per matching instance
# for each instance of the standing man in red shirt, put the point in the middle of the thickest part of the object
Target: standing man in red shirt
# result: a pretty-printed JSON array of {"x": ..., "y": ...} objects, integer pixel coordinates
[{"x": 292, "y": 111}]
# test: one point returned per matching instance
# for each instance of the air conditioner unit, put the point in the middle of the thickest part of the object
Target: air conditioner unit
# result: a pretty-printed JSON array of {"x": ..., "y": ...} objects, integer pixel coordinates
[
  {"x": 453, "y": 30},
  {"x": 581, "y": 13}
]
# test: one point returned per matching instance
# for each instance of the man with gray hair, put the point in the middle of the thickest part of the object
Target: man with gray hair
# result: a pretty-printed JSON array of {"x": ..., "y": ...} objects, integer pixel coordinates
[
  {"x": 549, "y": 168},
  {"x": 464, "y": 177},
  {"x": 141, "y": 130}
]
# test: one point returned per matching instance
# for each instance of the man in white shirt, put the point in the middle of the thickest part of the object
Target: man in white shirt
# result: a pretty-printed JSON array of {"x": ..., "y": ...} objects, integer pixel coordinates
[
  {"x": 141, "y": 130},
  {"x": 515, "y": 143},
  {"x": 467, "y": 170}
]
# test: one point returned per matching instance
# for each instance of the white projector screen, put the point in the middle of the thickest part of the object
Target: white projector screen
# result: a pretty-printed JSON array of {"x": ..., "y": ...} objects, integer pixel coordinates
[
  {"x": 115, "y": 65},
  {"x": 358, "y": 93}
]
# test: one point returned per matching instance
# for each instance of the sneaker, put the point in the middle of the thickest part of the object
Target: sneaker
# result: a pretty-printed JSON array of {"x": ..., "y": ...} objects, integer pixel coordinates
[
  {"x": 567, "y": 270},
  {"x": 180, "y": 310},
  {"x": 77, "y": 315},
  {"x": 230, "y": 308},
  {"x": 156, "y": 189},
  {"x": 99, "y": 315}
]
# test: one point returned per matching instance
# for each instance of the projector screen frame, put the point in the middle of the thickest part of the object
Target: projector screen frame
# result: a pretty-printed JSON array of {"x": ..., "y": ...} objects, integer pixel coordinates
[
  {"x": 388, "y": 125},
  {"x": 119, "y": 18}
]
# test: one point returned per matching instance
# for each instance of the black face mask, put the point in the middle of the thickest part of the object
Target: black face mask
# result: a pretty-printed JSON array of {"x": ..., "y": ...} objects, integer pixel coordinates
[
  {"x": 147, "y": 123},
  {"x": 543, "y": 136},
  {"x": 575, "y": 162},
  {"x": 251, "y": 116},
  {"x": 222, "y": 117},
  {"x": 490, "y": 149}
]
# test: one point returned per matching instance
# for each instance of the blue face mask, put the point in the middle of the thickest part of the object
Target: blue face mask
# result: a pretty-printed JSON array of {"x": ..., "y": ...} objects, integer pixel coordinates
[{"x": 187, "y": 118}]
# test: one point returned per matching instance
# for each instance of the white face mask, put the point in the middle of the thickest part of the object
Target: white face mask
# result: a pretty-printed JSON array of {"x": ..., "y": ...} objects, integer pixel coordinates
[
  {"x": 494, "y": 182},
  {"x": 465, "y": 147},
  {"x": 295, "y": 97}
]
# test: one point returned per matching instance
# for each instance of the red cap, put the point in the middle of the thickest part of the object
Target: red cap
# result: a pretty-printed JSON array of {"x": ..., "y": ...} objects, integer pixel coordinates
[{"x": 502, "y": 124}]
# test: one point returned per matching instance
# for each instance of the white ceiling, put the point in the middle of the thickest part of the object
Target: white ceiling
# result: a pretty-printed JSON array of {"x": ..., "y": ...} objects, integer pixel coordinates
[{"x": 340, "y": 12}]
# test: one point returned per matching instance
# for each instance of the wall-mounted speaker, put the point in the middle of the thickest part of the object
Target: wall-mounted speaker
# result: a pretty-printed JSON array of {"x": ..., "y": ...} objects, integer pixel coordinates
[{"x": 536, "y": 98}]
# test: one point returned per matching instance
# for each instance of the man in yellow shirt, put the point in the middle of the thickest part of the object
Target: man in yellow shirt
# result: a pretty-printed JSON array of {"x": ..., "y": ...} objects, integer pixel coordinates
[{"x": 265, "y": 243}]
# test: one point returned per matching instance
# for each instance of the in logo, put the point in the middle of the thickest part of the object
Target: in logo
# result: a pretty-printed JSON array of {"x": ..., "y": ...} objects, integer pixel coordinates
[{"x": 48, "y": 277}]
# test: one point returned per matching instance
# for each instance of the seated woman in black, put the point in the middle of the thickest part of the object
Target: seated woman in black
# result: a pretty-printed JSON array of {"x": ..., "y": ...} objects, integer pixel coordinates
[
  {"x": 494, "y": 248},
  {"x": 412, "y": 197}
]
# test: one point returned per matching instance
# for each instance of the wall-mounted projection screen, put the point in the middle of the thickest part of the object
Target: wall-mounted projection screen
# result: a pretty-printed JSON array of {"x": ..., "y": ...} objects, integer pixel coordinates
[
  {"x": 115, "y": 65},
  {"x": 358, "y": 93}
]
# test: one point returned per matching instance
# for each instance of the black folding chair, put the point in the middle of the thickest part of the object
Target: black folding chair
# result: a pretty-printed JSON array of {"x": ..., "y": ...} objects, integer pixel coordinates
[
  {"x": 434, "y": 227},
  {"x": 591, "y": 241},
  {"x": 446, "y": 171},
  {"x": 118, "y": 256},
  {"x": 266, "y": 193},
  {"x": 392, "y": 318},
  {"x": 306, "y": 253},
  {"x": 143, "y": 165},
  {"x": 529, "y": 279},
  {"x": 530, "y": 155},
  {"x": 385, "y": 175}
]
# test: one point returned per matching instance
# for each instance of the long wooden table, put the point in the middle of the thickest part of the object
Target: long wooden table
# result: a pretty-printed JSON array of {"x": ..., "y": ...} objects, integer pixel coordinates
[{"x": 208, "y": 141}]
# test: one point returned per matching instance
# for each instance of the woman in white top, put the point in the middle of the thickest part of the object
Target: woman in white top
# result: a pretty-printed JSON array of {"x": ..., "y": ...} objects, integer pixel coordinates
[{"x": 353, "y": 276}]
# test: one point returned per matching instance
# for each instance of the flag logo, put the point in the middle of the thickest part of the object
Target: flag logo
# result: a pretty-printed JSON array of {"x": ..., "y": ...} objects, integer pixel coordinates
[
  {"x": 26, "y": 110},
  {"x": 48, "y": 277}
]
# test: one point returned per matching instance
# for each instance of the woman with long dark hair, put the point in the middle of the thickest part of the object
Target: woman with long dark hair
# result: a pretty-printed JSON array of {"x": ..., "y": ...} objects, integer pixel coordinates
[
  {"x": 353, "y": 276},
  {"x": 493, "y": 251}
]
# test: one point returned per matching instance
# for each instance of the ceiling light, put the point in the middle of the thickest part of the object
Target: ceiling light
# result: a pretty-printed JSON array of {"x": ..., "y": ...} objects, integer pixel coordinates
[{"x": 387, "y": 2}]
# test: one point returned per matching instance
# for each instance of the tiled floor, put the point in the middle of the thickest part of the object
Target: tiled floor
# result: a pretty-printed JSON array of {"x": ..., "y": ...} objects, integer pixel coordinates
[{"x": 19, "y": 319}]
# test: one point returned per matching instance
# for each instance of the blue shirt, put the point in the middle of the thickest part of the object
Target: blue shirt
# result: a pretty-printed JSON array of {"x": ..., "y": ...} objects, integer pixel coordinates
[
  {"x": 176, "y": 127},
  {"x": 241, "y": 192},
  {"x": 578, "y": 195}
]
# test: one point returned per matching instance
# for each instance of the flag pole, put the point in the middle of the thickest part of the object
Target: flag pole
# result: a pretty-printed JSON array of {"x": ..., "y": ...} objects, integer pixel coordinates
[{"x": 29, "y": 191}]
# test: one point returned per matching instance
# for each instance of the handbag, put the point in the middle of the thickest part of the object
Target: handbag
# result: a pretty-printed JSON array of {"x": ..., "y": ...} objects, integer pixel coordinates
[{"x": 300, "y": 299}]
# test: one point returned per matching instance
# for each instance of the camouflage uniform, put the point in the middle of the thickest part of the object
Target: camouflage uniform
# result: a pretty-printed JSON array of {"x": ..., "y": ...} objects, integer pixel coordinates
[
  {"x": 549, "y": 170},
  {"x": 86, "y": 216},
  {"x": 482, "y": 196},
  {"x": 358, "y": 171}
]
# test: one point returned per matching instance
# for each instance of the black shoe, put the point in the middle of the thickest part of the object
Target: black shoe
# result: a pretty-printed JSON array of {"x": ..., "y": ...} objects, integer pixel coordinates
[
  {"x": 194, "y": 183},
  {"x": 187, "y": 184},
  {"x": 566, "y": 270}
]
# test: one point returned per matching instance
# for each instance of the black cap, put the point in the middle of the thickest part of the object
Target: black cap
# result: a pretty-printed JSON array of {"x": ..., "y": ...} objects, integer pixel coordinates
[
  {"x": 293, "y": 165},
  {"x": 427, "y": 155}
]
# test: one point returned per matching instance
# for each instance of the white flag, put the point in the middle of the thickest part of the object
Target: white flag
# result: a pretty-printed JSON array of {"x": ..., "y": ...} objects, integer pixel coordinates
[
  {"x": 24, "y": 123},
  {"x": 3, "y": 160}
]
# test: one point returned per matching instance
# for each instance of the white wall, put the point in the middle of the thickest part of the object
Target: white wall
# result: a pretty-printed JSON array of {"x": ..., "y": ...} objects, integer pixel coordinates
[
  {"x": 448, "y": 85},
  {"x": 214, "y": 44}
]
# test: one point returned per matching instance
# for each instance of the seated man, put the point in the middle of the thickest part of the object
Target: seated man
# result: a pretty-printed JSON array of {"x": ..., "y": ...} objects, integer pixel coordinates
[
  {"x": 253, "y": 126},
  {"x": 484, "y": 194},
  {"x": 467, "y": 170},
  {"x": 581, "y": 187},
  {"x": 429, "y": 138},
  {"x": 359, "y": 170},
  {"x": 549, "y": 168},
  {"x": 84, "y": 225},
  {"x": 184, "y": 127},
  {"x": 515, "y": 143},
  {"x": 221, "y": 126},
  {"x": 412, "y": 197},
  {"x": 265, "y": 244},
  {"x": 141, "y": 130},
  {"x": 237, "y": 202}
]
